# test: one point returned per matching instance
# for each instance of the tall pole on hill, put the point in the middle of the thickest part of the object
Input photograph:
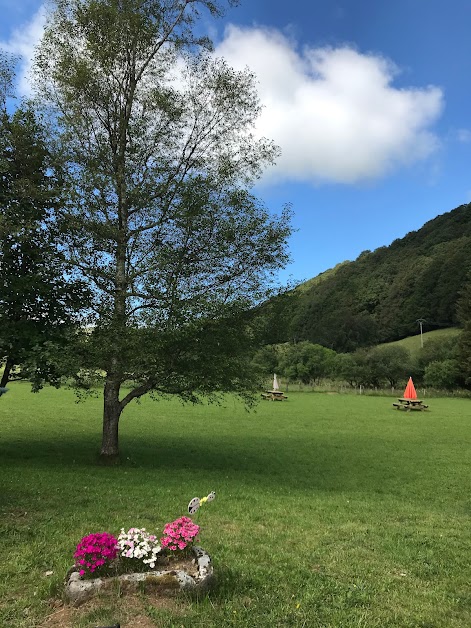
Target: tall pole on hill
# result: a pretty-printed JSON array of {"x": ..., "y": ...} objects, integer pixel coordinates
[{"x": 421, "y": 321}]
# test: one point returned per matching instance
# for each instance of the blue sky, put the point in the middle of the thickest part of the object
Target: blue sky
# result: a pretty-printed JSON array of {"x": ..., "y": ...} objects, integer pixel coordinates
[{"x": 368, "y": 100}]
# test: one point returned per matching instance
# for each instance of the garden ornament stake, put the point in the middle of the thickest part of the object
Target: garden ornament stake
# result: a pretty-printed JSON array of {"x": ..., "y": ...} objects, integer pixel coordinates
[{"x": 196, "y": 502}]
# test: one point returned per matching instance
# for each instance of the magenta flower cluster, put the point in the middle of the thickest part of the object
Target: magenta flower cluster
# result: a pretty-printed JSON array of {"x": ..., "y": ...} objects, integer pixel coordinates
[
  {"x": 95, "y": 550},
  {"x": 179, "y": 534}
]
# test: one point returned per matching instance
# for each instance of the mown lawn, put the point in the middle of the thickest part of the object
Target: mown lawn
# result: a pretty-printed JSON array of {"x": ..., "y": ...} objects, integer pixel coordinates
[{"x": 331, "y": 510}]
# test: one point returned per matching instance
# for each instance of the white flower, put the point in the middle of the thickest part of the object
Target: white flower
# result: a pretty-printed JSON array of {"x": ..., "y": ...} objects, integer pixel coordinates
[{"x": 138, "y": 544}]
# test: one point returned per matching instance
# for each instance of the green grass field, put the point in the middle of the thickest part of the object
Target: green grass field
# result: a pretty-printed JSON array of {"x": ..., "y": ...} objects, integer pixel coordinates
[
  {"x": 331, "y": 510},
  {"x": 412, "y": 343}
]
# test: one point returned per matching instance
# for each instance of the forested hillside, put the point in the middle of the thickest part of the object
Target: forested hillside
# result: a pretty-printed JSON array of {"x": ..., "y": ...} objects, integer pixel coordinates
[{"x": 380, "y": 296}]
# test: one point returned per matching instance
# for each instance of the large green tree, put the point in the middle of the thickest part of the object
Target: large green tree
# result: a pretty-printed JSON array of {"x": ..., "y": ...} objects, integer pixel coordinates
[
  {"x": 158, "y": 136},
  {"x": 38, "y": 301}
]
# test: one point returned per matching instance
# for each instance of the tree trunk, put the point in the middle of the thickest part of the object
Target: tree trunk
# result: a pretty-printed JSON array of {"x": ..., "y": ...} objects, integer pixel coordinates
[
  {"x": 6, "y": 373},
  {"x": 111, "y": 412}
]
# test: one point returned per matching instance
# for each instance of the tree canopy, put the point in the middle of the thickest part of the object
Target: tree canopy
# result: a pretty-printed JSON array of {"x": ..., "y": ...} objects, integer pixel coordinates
[
  {"x": 158, "y": 140},
  {"x": 39, "y": 303}
]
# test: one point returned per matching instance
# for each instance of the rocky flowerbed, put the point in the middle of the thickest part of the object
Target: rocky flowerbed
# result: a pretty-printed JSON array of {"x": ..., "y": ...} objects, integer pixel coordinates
[
  {"x": 137, "y": 559},
  {"x": 171, "y": 574}
]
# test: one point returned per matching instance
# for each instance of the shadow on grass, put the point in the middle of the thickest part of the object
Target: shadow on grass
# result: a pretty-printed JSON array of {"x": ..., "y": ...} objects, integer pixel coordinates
[{"x": 324, "y": 463}]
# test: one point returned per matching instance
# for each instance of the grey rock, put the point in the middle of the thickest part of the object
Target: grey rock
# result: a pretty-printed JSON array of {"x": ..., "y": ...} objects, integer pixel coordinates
[{"x": 79, "y": 590}]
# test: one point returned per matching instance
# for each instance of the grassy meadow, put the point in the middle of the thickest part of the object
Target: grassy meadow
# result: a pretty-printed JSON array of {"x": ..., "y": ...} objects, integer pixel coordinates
[
  {"x": 412, "y": 343},
  {"x": 331, "y": 510}
]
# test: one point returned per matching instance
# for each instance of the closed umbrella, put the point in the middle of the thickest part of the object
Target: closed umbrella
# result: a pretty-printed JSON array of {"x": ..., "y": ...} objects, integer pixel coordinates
[
  {"x": 409, "y": 392},
  {"x": 275, "y": 383}
]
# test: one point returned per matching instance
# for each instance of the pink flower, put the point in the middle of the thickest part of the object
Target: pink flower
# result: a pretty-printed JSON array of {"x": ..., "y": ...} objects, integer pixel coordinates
[
  {"x": 179, "y": 533},
  {"x": 95, "y": 550}
]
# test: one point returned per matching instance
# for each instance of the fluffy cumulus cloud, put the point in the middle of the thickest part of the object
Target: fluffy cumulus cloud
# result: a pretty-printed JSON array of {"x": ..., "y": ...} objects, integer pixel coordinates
[
  {"x": 21, "y": 43},
  {"x": 334, "y": 112}
]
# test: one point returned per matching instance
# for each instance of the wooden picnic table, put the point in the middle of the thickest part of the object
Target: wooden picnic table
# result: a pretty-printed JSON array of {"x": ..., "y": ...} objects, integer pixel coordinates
[
  {"x": 410, "y": 404},
  {"x": 274, "y": 395}
]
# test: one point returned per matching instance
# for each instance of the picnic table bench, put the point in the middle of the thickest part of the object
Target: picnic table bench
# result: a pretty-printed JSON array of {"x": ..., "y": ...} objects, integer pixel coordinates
[
  {"x": 410, "y": 404},
  {"x": 274, "y": 395}
]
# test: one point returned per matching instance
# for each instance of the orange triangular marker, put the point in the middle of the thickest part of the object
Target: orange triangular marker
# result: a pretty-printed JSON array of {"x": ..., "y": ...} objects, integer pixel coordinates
[{"x": 409, "y": 392}]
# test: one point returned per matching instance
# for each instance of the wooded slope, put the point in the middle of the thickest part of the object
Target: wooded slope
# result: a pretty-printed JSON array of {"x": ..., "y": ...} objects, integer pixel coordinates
[{"x": 380, "y": 296}]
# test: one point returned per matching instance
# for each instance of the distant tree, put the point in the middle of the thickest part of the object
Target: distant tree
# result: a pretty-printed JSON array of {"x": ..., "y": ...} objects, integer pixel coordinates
[
  {"x": 346, "y": 369},
  {"x": 390, "y": 363},
  {"x": 161, "y": 222},
  {"x": 38, "y": 302},
  {"x": 373, "y": 367},
  {"x": 354, "y": 368},
  {"x": 443, "y": 374},
  {"x": 306, "y": 362}
]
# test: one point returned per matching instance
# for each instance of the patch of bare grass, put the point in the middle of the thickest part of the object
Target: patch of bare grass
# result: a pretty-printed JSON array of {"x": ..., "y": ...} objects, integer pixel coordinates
[{"x": 131, "y": 611}]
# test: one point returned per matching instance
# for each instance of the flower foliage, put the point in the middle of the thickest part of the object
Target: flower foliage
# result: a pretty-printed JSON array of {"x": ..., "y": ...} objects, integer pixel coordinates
[
  {"x": 179, "y": 534},
  {"x": 137, "y": 544},
  {"x": 94, "y": 551}
]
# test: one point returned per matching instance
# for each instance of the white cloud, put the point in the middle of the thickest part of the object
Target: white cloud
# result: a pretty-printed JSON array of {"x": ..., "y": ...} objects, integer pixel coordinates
[
  {"x": 22, "y": 43},
  {"x": 333, "y": 111}
]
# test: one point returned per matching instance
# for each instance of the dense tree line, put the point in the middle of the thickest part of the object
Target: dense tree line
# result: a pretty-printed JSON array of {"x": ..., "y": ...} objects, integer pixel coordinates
[{"x": 437, "y": 365}]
